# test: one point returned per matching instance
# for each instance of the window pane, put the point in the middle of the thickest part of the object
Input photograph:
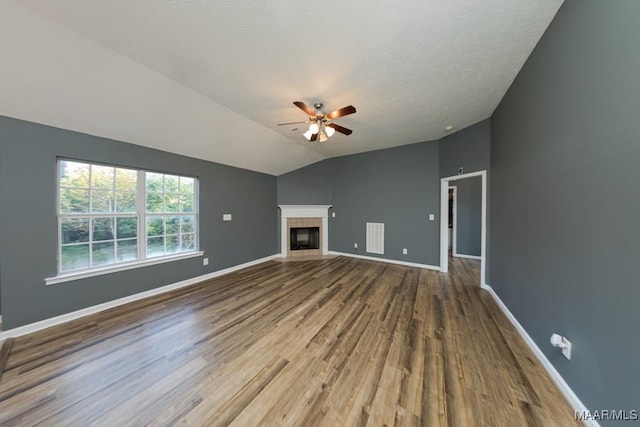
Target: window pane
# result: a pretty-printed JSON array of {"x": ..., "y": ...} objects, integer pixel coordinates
[
  {"x": 187, "y": 186},
  {"x": 126, "y": 180},
  {"x": 73, "y": 200},
  {"x": 186, "y": 203},
  {"x": 75, "y": 257},
  {"x": 188, "y": 242},
  {"x": 127, "y": 250},
  {"x": 102, "y": 229},
  {"x": 187, "y": 224},
  {"x": 102, "y": 177},
  {"x": 172, "y": 225},
  {"x": 154, "y": 202},
  {"x": 126, "y": 203},
  {"x": 127, "y": 227},
  {"x": 155, "y": 226},
  {"x": 74, "y": 230},
  {"x": 74, "y": 174},
  {"x": 103, "y": 253},
  {"x": 102, "y": 201},
  {"x": 154, "y": 182},
  {"x": 171, "y": 202},
  {"x": 173, "y": 244},
  {"x": 155, "y": 246},
  {"x": 171, "y": 184}
]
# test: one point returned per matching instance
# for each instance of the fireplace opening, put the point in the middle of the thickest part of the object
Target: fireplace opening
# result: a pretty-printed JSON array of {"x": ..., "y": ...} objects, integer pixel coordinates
[{"x": 303, "y": 238}]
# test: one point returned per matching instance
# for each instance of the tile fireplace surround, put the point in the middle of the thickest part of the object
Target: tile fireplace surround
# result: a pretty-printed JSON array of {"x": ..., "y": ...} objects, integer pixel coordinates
[{"x": 304, "y": 216}]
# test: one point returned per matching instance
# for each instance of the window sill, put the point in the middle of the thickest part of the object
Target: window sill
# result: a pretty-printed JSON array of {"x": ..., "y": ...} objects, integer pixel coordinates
[{"x": 68, "y": 277}]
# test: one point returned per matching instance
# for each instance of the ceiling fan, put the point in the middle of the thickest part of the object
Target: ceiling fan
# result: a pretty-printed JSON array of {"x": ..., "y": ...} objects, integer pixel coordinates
[{"x": 321, "y": 126}]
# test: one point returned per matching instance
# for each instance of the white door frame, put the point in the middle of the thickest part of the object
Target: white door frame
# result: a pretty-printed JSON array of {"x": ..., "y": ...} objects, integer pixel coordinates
[
  {"x": 454, "y": 214},
  {"x": 444, "y": 222}
]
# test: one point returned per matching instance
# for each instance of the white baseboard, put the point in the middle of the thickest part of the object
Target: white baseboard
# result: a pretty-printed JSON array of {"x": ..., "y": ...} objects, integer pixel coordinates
[
  {"x": 46, "y": 323},
  {"x": 573, "y": 399},
  {"x": 468, "y": 256},
  {"x": 389, "y": 261}
]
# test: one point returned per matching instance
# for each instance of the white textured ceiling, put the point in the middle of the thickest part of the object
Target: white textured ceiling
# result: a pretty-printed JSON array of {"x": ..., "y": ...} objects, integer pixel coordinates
[{"x": 211, "y": 79}]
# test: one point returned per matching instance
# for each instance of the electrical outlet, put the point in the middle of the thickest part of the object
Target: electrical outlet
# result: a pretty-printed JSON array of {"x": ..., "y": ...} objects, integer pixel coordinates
[
  {"x": 566, "y": 349},
  {"x": 226, "y": 217},
  {"x": 404, "y": 251},
  {"x": 355, "y": 246},
  {"x": 432, "y": 217},
  {"x": 205, "y": 261}
]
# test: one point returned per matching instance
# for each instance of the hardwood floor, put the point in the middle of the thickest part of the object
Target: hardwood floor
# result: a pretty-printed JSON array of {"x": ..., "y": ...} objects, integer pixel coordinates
[{"x": 325, "y": 342}]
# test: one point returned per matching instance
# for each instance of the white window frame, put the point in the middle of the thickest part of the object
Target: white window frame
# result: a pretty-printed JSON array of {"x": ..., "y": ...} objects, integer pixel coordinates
[{"x": 141, "y": 215}]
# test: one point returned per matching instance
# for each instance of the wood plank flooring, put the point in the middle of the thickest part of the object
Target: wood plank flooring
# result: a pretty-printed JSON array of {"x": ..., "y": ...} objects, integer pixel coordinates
[{"x": 337, "y": 342}]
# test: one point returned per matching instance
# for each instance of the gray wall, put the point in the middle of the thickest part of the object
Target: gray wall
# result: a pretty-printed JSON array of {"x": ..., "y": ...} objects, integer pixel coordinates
[
  {"x": 468, "y": 215},
  {"x": 397, "y": 186},
  {"x": 468, "y": 148},
  {"x": 28, "y": 235},
  {"x": 310, "y": 185},
  {"x": 565, "y": 160}
]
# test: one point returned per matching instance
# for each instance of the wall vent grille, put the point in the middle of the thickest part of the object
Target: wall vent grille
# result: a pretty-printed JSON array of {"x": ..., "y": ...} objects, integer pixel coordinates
[{"x": 375, "y": 237}]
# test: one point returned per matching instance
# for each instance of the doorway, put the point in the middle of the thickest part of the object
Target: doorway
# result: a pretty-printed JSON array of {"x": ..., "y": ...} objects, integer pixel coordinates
[
  {"x": 445, "y": 183},
  {"x": 453, "y": 208},
  {"x": 465, "y": 210}
]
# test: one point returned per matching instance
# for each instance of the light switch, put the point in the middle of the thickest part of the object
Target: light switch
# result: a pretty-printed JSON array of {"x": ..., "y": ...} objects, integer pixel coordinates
[
  {"x": 226, "y": 217},
  {"x": 333, "y": 214},
  {"x": 432, "y": 217}
]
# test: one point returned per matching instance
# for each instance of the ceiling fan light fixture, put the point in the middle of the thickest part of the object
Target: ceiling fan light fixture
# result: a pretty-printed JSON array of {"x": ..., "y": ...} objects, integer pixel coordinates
[
  {"x": 308, "y": 134},
  {"x": 314, "y": 128},
  {"x": 329, "y": 131},
  {"x": 323, "y": 136}
]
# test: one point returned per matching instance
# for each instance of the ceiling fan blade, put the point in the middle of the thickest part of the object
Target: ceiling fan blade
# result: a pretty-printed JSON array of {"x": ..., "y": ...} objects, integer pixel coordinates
[
  {"x": 340, "y": 129},
  {"x": 314, "y": 137},
  {"x": 350, "y": 109},
  {"x": 304, "y": 107},
  {"x": 290, "y": 123}
]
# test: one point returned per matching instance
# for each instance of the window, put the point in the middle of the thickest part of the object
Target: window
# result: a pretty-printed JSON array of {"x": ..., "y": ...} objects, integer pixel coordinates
[
  {"x": 170, "y": 218},
  {"x": 109, "y": 215}
]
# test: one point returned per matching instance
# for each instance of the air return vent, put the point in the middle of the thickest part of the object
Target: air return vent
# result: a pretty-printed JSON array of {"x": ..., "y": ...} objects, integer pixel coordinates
[{"x": 375, "y": 237}]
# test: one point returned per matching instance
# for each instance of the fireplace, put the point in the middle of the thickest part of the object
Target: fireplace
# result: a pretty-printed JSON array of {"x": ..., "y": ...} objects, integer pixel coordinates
[
  {"x": 304, "y": 238},
  {"x": 304, "y": 230}
]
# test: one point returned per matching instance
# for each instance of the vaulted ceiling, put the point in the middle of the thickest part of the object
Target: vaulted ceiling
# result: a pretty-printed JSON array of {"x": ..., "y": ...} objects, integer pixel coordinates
[{"x": 211, "y": 79}]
